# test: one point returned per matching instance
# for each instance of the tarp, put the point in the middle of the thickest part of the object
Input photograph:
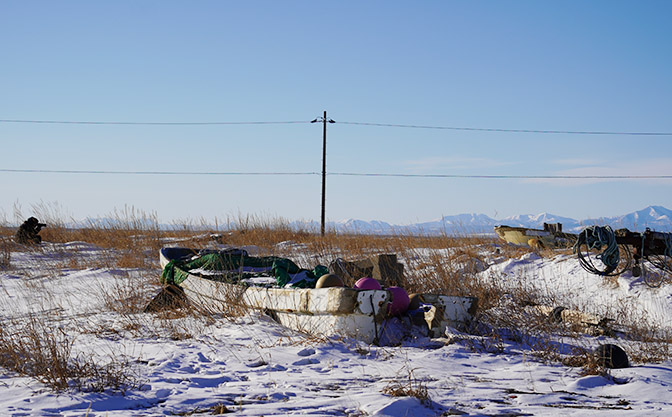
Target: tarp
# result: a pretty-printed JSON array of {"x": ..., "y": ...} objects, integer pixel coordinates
[{"x": 233, "y": 267}]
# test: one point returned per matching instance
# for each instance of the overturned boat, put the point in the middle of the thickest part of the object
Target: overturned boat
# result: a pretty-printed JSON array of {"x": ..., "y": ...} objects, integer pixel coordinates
[
  {"x": 551, "y": 236},
  {"x": 215, "y": 279}
]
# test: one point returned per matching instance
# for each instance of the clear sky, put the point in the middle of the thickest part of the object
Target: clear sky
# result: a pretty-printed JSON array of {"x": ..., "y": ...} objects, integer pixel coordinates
[{"x": 571, "y": 66}]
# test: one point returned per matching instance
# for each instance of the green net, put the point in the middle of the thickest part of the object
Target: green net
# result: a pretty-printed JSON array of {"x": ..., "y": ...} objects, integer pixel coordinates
[{"x": 232, "y": 268}]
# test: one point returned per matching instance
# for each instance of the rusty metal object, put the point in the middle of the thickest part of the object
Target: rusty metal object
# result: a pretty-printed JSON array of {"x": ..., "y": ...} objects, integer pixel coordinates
[{"x": 633, "y": 249}]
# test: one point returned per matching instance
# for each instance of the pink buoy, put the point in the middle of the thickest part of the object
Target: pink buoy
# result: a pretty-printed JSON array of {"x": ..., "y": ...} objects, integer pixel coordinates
[
  {"x": 400, "y": 301},
  {"x": 367, "y": 284}
]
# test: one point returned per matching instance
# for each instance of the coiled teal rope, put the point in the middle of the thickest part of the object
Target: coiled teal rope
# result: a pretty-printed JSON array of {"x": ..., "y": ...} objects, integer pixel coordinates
[{"x": 596, "y": 237}]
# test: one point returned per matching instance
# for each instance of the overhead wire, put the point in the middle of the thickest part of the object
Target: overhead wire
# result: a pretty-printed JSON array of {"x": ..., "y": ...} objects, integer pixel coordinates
[
  {"x": 487, "y": 129},
  {"x": 395, "y": 125},
  {"x": 356, "y": 174},
  {"x": 71, "y": 171},
  {"x": 343, "y": 174},
  {"x": 86, "y": 122},
  {"x": 558, "y": 177}
]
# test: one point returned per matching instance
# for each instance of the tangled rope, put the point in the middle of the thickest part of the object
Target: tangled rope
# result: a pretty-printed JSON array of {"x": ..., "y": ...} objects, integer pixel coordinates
[
  {"x": 664, "y": 261},
  {"x": 595, "y": 238}
]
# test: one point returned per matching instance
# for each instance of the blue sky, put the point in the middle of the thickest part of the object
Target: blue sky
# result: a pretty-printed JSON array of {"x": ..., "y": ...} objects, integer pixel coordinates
[{"x": 574, "y": 65}]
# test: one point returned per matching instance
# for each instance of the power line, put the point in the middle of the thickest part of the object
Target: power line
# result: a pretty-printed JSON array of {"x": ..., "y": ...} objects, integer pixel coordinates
[
  {"x": 551, "y": 177},
  {"x": 484, "y": 129},
  {"x": 96, "y": 172},
  {"x": 84, "y": 122},
  {"x": 406, "y": 126},
  {"x": 344, "y": 174}
]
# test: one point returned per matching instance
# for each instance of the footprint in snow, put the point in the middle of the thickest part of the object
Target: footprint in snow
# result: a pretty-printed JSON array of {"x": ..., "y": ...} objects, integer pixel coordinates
[
  {"x": 276, "y": 368},
  {"x": 306, "y": 361},
  {"x": 256, "y": 363},
  {"x": 306, "y": 352},
  {"x": 162, "y": 393},
  {"x": 209, "y": 382},
  {"x": 188, "y": 369}
]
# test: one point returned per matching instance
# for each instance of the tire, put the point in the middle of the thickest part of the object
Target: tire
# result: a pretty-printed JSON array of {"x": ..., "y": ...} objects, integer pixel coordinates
[{"x": 611, "y": 356}]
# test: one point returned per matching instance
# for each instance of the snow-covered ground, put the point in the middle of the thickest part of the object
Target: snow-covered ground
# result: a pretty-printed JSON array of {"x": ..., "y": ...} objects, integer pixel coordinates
[{"x": 252, "y": 366}]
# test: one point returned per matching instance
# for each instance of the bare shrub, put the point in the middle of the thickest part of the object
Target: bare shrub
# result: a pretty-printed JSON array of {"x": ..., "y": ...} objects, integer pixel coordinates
[
  {"x": 130, "y": 259},
  {"x": 132, "y": 233},
  {"x": 5, "y": 252},
  {"x": 587, "y": 361},
  {"x": 45, "y": 353},
  {"x": 130, "y": 293},
  {"x": 409, "y": 386},
  {"x": 653, "y": 351}
]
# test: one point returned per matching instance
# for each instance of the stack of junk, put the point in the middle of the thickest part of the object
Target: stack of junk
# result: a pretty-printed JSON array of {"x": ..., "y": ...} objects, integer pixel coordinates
[{"x": 362, "y": 299}]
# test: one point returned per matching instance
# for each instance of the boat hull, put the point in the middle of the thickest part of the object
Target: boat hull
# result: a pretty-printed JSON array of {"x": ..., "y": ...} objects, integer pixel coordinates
[
  {"x": 522, "y": 236},
  {"x": 347, "y": 312}
]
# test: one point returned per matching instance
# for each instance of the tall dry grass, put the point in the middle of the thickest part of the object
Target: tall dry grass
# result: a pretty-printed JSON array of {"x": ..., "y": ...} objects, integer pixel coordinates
[
  {"x": 129, "y": 240},
  {"x": 33, "y": 347},
  {"x": 5, "y": 252}
]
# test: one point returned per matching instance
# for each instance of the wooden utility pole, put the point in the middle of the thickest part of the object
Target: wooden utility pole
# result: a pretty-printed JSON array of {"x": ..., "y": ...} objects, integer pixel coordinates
[{"x": 324, "y": 121}]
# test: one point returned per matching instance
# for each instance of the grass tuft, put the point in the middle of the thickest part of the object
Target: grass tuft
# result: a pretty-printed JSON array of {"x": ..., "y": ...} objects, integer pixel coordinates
[
  {"x": 409, "y": 386},
  {"x": 33, "y": 348}
]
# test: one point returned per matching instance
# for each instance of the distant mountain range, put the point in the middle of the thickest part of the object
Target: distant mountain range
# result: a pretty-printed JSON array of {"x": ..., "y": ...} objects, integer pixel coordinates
[{"x": 655, "y": 217}]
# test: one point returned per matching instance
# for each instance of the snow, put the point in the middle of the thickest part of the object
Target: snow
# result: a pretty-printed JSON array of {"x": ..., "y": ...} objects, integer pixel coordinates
[{"x": 251, "y": 366}]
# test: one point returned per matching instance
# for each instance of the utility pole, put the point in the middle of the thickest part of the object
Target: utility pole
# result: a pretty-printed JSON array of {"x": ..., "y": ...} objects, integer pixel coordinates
[{"x": 324, "y": 121}]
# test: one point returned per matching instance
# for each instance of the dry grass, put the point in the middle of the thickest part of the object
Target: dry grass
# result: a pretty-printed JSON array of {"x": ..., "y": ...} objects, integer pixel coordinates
[
  {"x": 433, "y": 264},
  {"x": 408, "y": 386},
  {"x": 589, "y": 363},
  {"x": 32, "y": 348},
  {"x": 5, "y": 253}
]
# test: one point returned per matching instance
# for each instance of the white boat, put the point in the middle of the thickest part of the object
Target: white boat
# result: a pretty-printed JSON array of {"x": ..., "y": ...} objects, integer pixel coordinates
[
  {"x": 551, "y": 236},
  {"x": 347, "y": 312}
]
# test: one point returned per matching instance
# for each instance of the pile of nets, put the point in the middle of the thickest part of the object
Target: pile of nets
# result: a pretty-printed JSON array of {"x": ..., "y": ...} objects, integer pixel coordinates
[{"x": 233, "y": 266}]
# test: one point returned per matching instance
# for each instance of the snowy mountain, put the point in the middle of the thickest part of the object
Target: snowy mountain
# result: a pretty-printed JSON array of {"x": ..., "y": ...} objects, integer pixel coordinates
[
  {"x": 537, "y": 221},
  {"x": 461, "y": 223},
  {"x": 655, "y": 217},
  {"x": 360, "y": 226}
]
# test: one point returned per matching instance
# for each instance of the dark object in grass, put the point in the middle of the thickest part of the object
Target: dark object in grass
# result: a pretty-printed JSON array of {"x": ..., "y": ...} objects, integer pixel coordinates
[
  {"x": 171, "y": 297},
  {"x": 555, "y": 316},
  {"x": 611, "y": 356},
  {"x": 28, "y": 232}
]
